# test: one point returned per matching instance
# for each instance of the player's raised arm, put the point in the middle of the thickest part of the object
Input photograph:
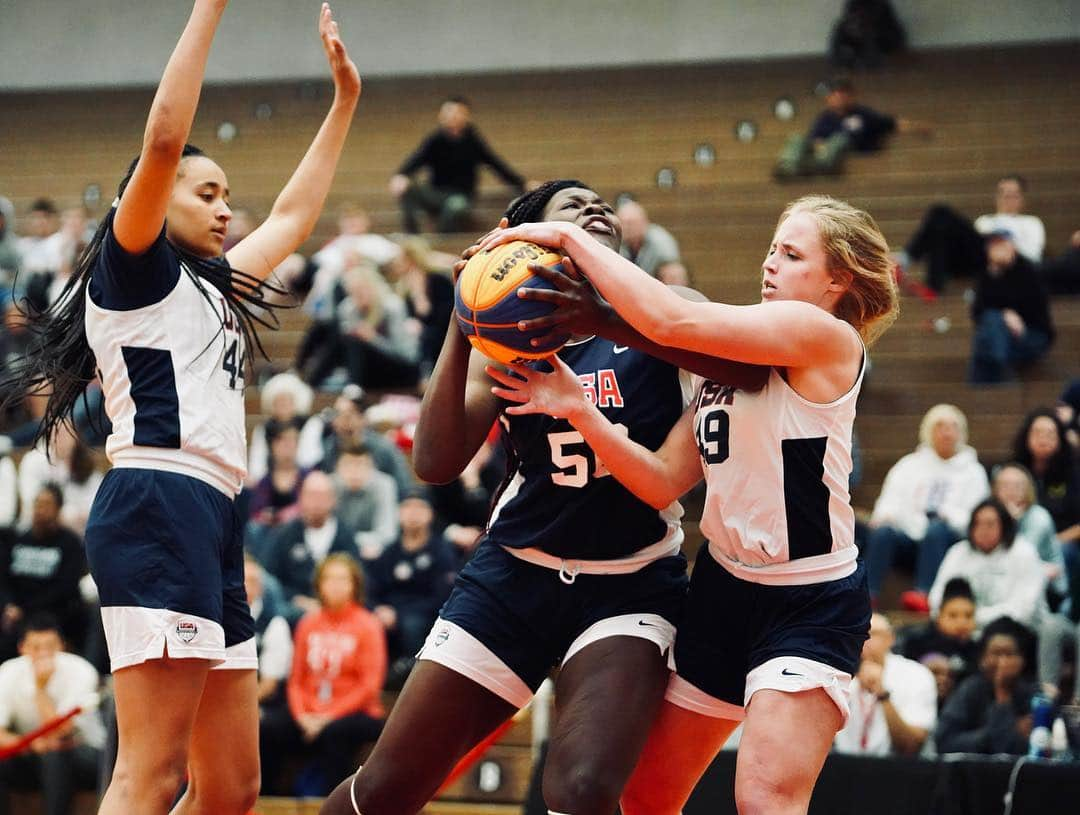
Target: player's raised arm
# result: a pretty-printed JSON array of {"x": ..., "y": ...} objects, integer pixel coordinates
[
  {"x": 797, "y": 335},
  {"x": 658, "y": 478},
  {"x": 299, "y": 204},
  {"x": 141, "y": 212}
]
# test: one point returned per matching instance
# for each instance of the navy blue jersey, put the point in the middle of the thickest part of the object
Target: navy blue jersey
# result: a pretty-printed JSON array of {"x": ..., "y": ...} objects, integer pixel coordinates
[{"x": 557, "y": 496}]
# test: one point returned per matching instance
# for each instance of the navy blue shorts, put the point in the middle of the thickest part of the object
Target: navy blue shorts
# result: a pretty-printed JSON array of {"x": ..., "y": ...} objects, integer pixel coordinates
[
  {"x": 809, "y": 636},
  {"x": 508, "y": 622},
  {"x": 166, "y": 552}
]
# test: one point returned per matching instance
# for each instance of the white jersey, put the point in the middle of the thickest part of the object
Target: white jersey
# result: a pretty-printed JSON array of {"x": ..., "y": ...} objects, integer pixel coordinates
[
  {"x": 173, "y": 383},
  {"x": 777, "y": 507}
]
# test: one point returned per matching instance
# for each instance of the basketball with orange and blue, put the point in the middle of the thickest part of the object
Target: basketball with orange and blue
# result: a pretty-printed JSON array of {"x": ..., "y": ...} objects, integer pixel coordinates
[{"x": 489, "y": 309}]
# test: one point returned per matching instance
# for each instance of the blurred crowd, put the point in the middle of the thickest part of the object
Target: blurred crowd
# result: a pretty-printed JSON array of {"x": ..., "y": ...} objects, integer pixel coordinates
[{"x": 349, "y": 558}]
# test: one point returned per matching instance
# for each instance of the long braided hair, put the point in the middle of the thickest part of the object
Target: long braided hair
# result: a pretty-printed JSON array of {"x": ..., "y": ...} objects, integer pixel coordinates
[
  {"x": 59, "y": 361},
  {"x": 529, "y": 208}
]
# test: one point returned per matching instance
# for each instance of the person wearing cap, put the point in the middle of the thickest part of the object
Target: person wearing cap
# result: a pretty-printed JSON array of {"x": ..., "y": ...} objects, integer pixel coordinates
[
  {"x": 1011, "y": 311},
  {"x": 953, "y": 246},
  {"x": 844, "y": 126}
]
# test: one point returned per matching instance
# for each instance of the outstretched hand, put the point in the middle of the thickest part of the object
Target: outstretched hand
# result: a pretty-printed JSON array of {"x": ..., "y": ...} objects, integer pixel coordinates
[
  {"x": 549, "y": 233},
  {"x": 346, "y": 77},
  {"x": 579, "y": 308},
  {"x": 557, "y": 394}
]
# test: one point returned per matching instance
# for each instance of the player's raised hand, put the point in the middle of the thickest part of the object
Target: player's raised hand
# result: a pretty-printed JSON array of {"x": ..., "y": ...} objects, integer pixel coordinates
[
  {"x": 557, "y": 394},
  {"x": 549, "y": 233},
  {"x": 346, "y": 77}
]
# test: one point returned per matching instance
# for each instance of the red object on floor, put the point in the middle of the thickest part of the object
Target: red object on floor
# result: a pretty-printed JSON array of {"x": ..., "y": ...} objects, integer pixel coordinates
[
  {"x": 475, "y": 754},
  {"x": 913, "y": 287},
  {"x": 915, "y": 601},
  {"x": 24, "y": 742}
]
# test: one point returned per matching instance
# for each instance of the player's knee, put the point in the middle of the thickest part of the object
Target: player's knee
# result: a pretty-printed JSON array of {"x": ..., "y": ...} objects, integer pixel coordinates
[
  {"x": 154, "y": 787},
  {"x": 583, "y": 788},
  {"x": 764, "y": 796},
  {"x": 234, "y": 795}
]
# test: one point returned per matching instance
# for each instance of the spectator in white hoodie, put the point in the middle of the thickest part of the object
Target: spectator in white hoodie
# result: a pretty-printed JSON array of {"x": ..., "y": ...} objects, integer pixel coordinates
[
  {"x": 1008, "y": 579},
  {"x": 925, "y": 503}
]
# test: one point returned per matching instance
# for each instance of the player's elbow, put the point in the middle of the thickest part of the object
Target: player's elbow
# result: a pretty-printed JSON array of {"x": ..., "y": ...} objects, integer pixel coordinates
[{"x": 432, "y": 466}]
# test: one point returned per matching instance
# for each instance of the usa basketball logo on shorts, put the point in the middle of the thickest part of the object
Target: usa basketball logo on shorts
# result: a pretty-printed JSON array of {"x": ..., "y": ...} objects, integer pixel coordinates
[
  {"x": 442, "y": 637},
  {"x": 187, "y": 630}
]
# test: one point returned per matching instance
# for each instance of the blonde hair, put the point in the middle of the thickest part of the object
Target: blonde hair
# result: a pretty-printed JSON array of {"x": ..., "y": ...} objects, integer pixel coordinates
[
  {"x": 940, "y": 413},
  {"x": 291, "y": 384},
  {"x": 1030, "y": 496},
  {"x": 854, "y": 245},
  {"x": 368, "y": 274}
]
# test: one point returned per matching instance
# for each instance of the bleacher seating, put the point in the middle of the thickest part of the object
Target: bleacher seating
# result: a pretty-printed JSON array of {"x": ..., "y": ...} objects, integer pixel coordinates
[{"x": 993, "y": 110}]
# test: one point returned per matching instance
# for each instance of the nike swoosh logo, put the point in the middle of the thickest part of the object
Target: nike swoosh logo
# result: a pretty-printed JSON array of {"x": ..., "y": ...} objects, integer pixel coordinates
[
  {"x": 786, "y": 672},
  {"x": 618, "y": 349},
  {"x": 651, "y": 625}
]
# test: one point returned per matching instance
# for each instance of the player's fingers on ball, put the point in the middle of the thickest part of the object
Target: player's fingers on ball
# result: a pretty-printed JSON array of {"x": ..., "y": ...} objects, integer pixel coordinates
[
  {"x": 569, "y": 269},
  {"x": 537, "y": 323},
  {"x": 501, "y": 376},
  {"x": 551, "y": 274},
  {"x": 541, "y": 295}
]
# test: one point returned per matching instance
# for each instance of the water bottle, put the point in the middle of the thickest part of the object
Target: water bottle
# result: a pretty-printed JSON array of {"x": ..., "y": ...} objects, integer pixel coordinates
[
  {"x": 1059, "y": 740},
  {"x": 1042, "y": 710}
]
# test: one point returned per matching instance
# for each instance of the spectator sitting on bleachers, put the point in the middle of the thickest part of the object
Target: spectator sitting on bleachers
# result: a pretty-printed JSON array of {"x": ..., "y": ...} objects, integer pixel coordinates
[
  {"x": 334, "y": 688},
  {"x": 40, "y": 571},
  {"x": 865, "y": 32},
  {"x": 273, "y": 501},
  {"x": 409, "y": 582},
  {"x": 44, "y": 288},
  {"x": 354, "y": 243},
  {"x": 428, "y": 293},
  {"x": 453, "y": 153},
  {"x": 1068, "y": 412},
  {"x": 42, "y": 683},
  {"x": 71, "y": 468},
  {"x": 1062, "y": 274},
  {"x": 1041, "y": 447},
  {"x": 41, "y": 244},
  {"x": 9, "y": 489},
  {"x": 379, "y": 351},
  {"x": 925, "y": 502},
  {"x": 648, "y": 246},
  {"x": 953, "y": 247},
  {"x": 948, "y": 634},
  {"x": 1013, "y": 485},
  {"x": 273, "y": 637},
  {"x": 10, "y": 259},
  {"x": 1011, "y": 311},
  {"x": 1008, "y": 580},
  {"x": 990, "y": 712},
  {"x": 350, "y": 426},
  {"x": 893, "y": 700},
  {"x": 367, "y": 501},
  {"x": 284, "y": 398},
  {"x": 843, "y": 127},
  {"x": 293, "y": 549},
  {"x": 465, "y": 503}
]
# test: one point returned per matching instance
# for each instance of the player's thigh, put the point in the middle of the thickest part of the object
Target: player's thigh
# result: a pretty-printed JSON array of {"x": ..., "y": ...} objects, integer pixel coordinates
[
  {"x": 224, "y": 750},
  {"x": 156, "y": 706},
  {"x": 771, "y": 775},
  {"x": 439, "y": 716},
  {"x": 680, "y": 747}
]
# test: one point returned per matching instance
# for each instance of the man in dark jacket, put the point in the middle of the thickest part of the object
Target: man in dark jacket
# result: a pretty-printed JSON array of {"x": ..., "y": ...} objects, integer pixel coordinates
[
  {"x": 1011, "y": 313},
  {"x": 452, "y": 154}
]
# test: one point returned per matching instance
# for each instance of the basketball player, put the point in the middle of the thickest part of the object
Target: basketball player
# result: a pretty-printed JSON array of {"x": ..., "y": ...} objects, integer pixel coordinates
[
  {"x": 778, "y": 608},
  {"x": 573, "y": 569},
  {"x": 165, "y": 317}
]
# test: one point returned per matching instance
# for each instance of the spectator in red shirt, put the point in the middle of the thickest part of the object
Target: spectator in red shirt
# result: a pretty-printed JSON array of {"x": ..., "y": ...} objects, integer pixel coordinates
[{"x": 338, "y": 671}]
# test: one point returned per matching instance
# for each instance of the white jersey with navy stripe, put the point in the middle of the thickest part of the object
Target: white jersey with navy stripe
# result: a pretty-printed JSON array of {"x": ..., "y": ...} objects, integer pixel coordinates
[
  {"x": 172, "y": 375},
  {"x": 777, "y": 506}
]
